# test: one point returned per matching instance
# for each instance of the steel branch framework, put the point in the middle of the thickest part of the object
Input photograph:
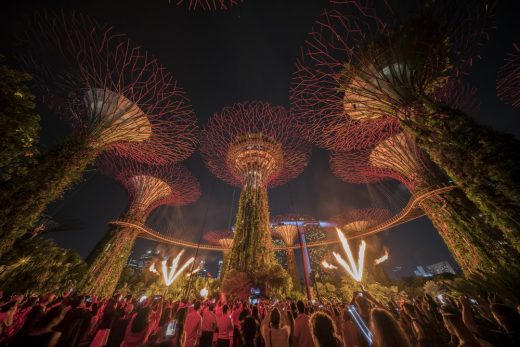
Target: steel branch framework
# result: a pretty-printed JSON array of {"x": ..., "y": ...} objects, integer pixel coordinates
[
  {"x": 222, "y": 238},
  {"x": 363, "y": 67},
  {"x": 207, "y": 5},
  {"x": 356, "y": 221},
  {"x": 508, "y": 82},
  {"x": 110, "y": 90}
]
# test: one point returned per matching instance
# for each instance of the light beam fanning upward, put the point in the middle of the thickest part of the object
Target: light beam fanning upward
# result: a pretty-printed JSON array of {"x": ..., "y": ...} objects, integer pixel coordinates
[
  {"x": 353, "y": 269},
  {"x": 169, "y": 276}
]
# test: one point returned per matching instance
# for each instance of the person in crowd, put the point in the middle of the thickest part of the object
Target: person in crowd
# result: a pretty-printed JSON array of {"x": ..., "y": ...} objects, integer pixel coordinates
[
  {"x": 461, "y": 333},
  {"x": 209, "y": 326},
  {"x": 302, "y": 327},
  {"x": 323, "y": 330},
  {"x": 180, "y": 320},
  {"x": 224, "y": 328},
  {"x": 142, "y": 325},
  {"x": 386, "y": 331},
  {"x": 250, "y": 332},
  {"x": 349, "y": 331},
  {"x": 122, "y": 317},
  {"x": 255, "y": 314},
  {"x": 509, "y": 321},
  {"x": 235, "y": 316},
  {"x": 276, "y": 329},
  {"x": 192, "y": 328},
  {"x": 42, "y": 334},
  {"x": 75, "y": 323},
  {"x": 7, "y": 313}
]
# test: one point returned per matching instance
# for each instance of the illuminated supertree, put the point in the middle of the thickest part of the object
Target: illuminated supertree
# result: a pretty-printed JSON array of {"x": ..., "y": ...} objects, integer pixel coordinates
[
  {"x": 207, "y": 5},
  {"x": 289, "y": 235},
  {"x": 508, "y": 82},
  {"x": 355, "y": 221},
  {"x": 373, "y": 69},
  {"x": 113, "y": 94},
  {"x": 477, "y": 246},
  {"x": 148, "y": 186},
  {"x": 222, "y": 238},
  {"x": 253, "y": 145}
]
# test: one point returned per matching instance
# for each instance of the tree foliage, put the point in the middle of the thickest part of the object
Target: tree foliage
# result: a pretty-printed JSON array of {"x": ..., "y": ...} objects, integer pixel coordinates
[
  {"x": 252, "y": 246},
  {"x": 39, "y": 266},
  {"x": 237, "y": 284},
  {"x": 24, "y": 199},
  {"x": 19, "y": 123}
]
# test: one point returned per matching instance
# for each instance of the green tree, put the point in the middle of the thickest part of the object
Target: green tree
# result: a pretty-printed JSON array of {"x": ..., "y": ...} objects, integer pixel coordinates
[
  {"x": 39, "y": 266},
  {"x": 19, "y": 123},
  {"x": 24, "y": 199}
]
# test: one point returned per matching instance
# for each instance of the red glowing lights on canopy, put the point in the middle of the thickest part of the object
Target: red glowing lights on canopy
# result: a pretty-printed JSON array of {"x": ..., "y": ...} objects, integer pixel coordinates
[
  {"x": 360, "y": 69},
  {"x": 508, "y": 83},
  {"x": 358, "y": 220},
  {"x": 150, "y": 186},
  {"x": 254, "y": 141},
  {"x": 207, "y": 5},
  {"x": 110, "y": 90},
  {"x": 397, "y": 157},
  {"x": 223, "y": 238}
]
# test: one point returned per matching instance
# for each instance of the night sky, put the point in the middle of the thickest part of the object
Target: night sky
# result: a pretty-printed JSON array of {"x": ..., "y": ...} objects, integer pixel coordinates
[{"x": 246, "y": 53}]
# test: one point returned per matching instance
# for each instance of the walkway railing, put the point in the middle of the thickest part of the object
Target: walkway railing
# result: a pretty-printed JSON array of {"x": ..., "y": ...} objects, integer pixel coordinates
[{"x": 410, "y": 212}]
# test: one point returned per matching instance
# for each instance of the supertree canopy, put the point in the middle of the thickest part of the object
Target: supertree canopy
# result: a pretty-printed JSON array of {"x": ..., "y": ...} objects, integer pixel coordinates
[
  {"x": 148, "y": 186},
  {"x": 253, "y": 145},
  {"x": 207, "y": 5},
  {"x": 476, "y": 245},
  {"x": 355, "y": 221},
  {"x": 288, "y": 233},
  {"x": 222, "y": 238},
  {"x": 375, "y": 68},
  {"x": 112, "y": 93},
  {"x": 508, "y": 82}
]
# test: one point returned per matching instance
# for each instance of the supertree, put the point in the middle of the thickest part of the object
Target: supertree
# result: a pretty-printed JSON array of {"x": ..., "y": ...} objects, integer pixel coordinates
[
  {"x": 148, "y": 186},
  {"x": 478, "y": 247},
  {"x": 111, "y": 92},
  {"x": 393, "y": 64},
  {"x": 508, "y": 81},
  {"x": 289, "y": 234},
  {"x": 253, "y": 145},
  {"x": 207, "y": 5},
  {"x": 356, "y": 221},
  {"x": 223, "y": 238}
]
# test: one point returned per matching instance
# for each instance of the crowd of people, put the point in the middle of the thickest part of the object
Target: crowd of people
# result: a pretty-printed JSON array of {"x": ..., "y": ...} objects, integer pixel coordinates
[{"x": 68, "y": 320}]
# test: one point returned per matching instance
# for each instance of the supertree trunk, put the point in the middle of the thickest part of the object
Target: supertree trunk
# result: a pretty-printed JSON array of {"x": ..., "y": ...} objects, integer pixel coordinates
[
  {"x": 23, "y": 201},
  {"x": 252, "y": 248},
  {"x": 108, "y": 262},
  {"x": 292, "y": 269},
  {"x": 485, "y": 164},
  {"x": 480, "y": 246},
  {"x": 479, "y": 249}
]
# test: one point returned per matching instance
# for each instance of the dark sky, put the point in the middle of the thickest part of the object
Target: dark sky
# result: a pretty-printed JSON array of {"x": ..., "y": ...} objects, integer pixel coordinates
[{"x": 246, "y": 53}]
